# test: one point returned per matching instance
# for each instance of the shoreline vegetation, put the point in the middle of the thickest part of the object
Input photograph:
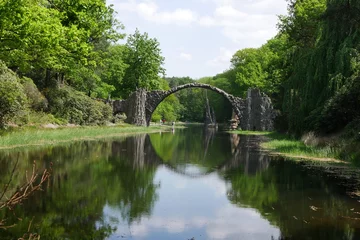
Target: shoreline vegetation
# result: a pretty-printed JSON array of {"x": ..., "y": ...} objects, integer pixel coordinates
[
  {"x": 59, "y": 62},
  {"x": 309, "y": 147},
  {"x": 35, "y": 136}
]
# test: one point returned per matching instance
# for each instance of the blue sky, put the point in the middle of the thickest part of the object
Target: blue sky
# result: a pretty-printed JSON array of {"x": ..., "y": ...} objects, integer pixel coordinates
[{"x": 199, "y": 37}]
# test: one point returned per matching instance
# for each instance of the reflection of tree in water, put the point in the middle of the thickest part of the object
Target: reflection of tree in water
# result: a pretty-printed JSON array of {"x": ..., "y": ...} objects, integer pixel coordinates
[
  {"x": 86, "y": 177},
  {"x": 252, "y": 184},
  {"x": 120, "y": 174},
  {"x": 194, "y": 152},
  {"x": 133, "y": 171},
  {"x": 209, "y": 134},
  {"x": 302, "y": 203},
  {"x": 246, "y": 154}
]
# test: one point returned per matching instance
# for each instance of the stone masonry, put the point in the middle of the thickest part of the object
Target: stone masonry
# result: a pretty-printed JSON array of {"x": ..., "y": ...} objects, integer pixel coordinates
[{"x": 255, "y": 112}]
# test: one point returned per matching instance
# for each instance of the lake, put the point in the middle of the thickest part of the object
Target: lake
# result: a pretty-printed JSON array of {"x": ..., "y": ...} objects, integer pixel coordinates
[{"x": 191, "y": 183}]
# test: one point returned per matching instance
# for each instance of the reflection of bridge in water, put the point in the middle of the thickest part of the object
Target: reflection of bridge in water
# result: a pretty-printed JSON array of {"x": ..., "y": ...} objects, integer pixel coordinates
[{"x": 245, "y": 152}]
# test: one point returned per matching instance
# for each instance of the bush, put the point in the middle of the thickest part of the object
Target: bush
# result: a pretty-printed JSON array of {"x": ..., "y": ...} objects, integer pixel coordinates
[
  {"x": 12, "y": 96},
  {"x": 37, "y": 119},
  {"x": 75, "y": 107},
  {"x": 352, "y": 130},
  {"x": 341, "y": 109},
  {"x": 36, "y": 99}
]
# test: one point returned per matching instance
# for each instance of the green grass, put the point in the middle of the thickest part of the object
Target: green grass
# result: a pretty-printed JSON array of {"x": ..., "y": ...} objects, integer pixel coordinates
[
  {"x": 25, "y": 137},
  {"x": 290, "y": 147},
  {"x": 250, "y": 132}
]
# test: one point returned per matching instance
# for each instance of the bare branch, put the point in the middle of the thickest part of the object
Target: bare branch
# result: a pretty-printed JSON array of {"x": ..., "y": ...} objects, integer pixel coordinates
[{"x": 32, "y": 184}]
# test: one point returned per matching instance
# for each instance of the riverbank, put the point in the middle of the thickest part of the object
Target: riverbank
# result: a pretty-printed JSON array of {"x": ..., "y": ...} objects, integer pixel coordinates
[
  {"x": 35, "y": 136},
  {"x": 287, "y": 146}
]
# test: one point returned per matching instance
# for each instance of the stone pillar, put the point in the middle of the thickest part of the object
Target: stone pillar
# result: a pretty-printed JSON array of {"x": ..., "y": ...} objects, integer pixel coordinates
[
  {"x": 136, "y": 108},
  {"x": 258, "y": 115}
]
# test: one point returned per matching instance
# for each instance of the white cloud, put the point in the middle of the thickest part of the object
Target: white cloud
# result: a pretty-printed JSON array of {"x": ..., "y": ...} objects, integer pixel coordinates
[
  {"x": 207, "y": 21},
  {"x": 241, "y": 20},
  {"x": 151, "y": 12},
  {"x": 223, "y": 59},
  {"x": 227, "y": 223},
  {"x": 186, "y": 56},
  {"x": 229, "y": 11}
]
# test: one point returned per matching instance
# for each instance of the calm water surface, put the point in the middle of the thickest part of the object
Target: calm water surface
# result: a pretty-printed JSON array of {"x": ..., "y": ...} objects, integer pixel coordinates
[{"x": 187, "y": 184}]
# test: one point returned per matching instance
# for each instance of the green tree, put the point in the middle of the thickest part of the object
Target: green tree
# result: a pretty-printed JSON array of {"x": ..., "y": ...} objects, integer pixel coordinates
[
  {"x": 143, "y": 55},
  {"x": 48, "y": 39},
  {"x": 170, "y": 109},
  {"x": 32, "y": 35},
  {"x": 322, "y": 60},
  {"x": 114, "y": 68}
]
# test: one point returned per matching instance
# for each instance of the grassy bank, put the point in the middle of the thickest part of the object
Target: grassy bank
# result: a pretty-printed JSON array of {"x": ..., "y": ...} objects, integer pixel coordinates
[
  {"x": 288, "y": 146},
  {"x": 24, "y": 137}
]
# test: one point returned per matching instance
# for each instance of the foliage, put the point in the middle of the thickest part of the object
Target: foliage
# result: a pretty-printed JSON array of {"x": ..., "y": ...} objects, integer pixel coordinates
[
  {"x": 322, "y": 58},
  {"x": 341, "y": 109},
  {"x": 191, "y": 99},
  {"x": 143, "y": 55},
  {"x": 37, "y": 118},
  {"x": 76, "y": 107},
  {"x": 248, "y": 64},
  {"x": 177, "y": 81},
  {"x": 222, "y": 107},
  {"x": 36, "y": 99},
  {"x": 302, "y": 23},
  {"x": 57, "y": 41},
  {"x": 309, "y": 69},
  {"x": 12, "y": 96},
  {"x": 114, "y": 69},
  {"x": 170, "y": 109}
]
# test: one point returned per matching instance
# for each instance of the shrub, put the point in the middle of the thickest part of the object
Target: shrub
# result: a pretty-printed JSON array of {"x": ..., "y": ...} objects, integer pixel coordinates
[
  {"x": 37, "y": 118},
  {"x": 76, "y": 107},
  {"x": 36, "y": 99},
  {"x": 341, "y": 109},
  {"x": 12, "y": 96}
]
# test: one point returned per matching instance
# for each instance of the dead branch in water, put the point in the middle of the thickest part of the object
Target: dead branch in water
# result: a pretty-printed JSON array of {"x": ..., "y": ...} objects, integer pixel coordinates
[{"x": 31, "y": 185}]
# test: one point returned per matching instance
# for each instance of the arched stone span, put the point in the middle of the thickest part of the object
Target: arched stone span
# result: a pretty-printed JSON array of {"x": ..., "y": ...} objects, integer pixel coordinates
[
  {"x": 255, "y": 112},
  {"x": 154, "y": 98}
]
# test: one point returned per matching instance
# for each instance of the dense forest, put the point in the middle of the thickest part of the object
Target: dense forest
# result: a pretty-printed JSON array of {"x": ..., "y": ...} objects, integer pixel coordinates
[{"x": 57, "y": 57}]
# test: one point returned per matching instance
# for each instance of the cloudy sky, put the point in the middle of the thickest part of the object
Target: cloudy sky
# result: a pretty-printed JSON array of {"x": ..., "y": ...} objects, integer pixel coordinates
[{"x": 198, "y": 37}]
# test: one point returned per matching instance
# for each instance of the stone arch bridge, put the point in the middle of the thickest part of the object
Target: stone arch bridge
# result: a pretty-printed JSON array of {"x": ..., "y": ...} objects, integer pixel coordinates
[{"x": 255, "y": 112}]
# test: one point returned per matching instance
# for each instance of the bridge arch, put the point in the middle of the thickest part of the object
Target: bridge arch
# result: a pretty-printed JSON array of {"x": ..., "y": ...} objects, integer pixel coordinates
[
  {"x": 255, "y": 112},
  {"x": 154, "y": 98}
]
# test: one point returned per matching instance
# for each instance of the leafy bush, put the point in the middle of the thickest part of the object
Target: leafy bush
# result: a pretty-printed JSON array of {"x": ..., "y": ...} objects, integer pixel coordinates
[
  {"x": 12, "y": 96},
  {"x": 36, "y": 99},
  {"x": 75, "y": 107},
  {"x": 341, "y": 109},
  {"x": 352, "y": 130},
  {"x": 37, "y": 118}
]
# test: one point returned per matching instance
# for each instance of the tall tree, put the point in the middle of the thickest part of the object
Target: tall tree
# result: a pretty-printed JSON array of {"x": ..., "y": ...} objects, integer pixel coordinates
[{"x": 143, "y": 55}]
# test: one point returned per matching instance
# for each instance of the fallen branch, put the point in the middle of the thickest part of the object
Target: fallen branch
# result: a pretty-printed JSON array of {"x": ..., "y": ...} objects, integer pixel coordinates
[{"x": 31, "y": 185}]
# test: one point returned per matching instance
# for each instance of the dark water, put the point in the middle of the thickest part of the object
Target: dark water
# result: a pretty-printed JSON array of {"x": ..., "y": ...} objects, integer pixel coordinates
[{"x": 188, "y": 184}]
